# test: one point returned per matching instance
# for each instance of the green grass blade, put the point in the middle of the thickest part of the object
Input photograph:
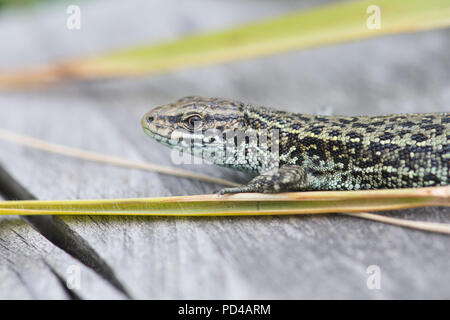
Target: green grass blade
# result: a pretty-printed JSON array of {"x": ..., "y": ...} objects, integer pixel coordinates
[
  {"x": 325, "y": 25},
  {"x": 334, "y": 23}
]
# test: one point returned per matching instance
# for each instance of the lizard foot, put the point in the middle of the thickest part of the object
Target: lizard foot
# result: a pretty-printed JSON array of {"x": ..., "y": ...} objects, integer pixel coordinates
[{"x": 286, "y": 178}]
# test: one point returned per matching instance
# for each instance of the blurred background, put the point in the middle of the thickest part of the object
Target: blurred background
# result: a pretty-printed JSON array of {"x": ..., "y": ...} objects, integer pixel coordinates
[{"x": 261, "y": 257}]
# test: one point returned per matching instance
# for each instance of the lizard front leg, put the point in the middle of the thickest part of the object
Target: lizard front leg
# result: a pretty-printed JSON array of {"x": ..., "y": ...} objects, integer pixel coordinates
[{"x": 286, "y": 178}]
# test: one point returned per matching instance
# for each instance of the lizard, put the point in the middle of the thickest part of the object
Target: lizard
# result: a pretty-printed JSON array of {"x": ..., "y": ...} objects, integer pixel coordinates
[{"x": 307, "y": 151}]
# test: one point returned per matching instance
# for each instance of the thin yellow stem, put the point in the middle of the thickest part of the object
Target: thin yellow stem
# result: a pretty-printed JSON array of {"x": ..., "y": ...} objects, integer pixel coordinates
[
  {"x": 419, "y": 225},
  {"x": 103, "y": 158}
]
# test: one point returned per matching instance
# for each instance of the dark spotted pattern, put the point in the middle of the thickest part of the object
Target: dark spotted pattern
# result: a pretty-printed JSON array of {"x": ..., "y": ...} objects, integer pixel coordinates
[{"x": 331, "y": 152}]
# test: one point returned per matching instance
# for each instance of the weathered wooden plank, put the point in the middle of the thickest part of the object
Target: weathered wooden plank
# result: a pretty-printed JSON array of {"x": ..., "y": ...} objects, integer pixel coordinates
[
  {"x": 29, "y": 265},
  {"x": 32, "y": 268},
  {"x": 261, "y": 257}
]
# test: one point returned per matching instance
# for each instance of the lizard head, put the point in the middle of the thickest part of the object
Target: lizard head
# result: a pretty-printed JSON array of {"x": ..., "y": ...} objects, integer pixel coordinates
[{"x": 195, "y": 124}]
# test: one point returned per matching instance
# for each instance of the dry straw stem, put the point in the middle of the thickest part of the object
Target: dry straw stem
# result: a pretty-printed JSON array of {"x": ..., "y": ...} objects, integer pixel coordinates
[
  {"x": 314, "y": 202},
  {"x": 351, "y": 203},
  {"x": 328, "y": 24},
  {"x": 418, "y": 225},
  {"x": 107, "y": 159}
]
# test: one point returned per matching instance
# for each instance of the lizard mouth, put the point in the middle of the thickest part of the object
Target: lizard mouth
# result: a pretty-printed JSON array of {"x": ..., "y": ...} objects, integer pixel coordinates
[
  {"x": 157, "y": 131},
  {"x": 158, "y": 137}
]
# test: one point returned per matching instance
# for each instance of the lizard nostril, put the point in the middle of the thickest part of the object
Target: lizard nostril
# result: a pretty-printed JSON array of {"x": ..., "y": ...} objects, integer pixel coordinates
[{"x": 150, "y": 119}]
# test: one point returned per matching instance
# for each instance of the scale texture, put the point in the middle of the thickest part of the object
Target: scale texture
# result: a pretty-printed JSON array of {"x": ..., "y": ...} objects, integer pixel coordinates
[{"x": 313, "y": 152}]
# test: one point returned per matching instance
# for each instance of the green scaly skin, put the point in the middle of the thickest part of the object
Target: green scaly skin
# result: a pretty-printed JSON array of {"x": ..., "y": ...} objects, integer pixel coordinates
[{"x": 314, "y": 152}]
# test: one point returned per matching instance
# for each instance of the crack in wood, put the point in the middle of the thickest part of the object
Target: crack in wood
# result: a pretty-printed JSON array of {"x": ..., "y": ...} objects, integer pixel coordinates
[
  {"x": 59, "y": 233},
  {"x": 22, "y": 281}
]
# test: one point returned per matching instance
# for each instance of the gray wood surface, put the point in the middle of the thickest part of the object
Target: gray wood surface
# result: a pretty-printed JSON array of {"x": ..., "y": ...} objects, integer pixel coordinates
[{"x": 222, "y": 257}]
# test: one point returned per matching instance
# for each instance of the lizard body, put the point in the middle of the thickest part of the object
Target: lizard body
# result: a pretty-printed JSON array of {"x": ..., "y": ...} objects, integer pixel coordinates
[{"x": 313, "y": 152}]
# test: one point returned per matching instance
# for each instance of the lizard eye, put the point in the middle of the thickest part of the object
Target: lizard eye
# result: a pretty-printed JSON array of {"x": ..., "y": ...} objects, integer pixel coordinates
[{"x": 190, "y": 121}]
